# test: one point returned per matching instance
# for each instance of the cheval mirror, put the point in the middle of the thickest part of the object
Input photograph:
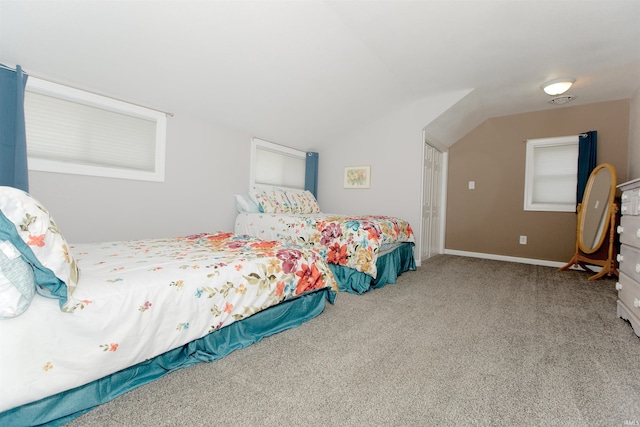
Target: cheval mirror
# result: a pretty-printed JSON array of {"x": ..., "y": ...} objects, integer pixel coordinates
[{"x": 596, "y": 221}]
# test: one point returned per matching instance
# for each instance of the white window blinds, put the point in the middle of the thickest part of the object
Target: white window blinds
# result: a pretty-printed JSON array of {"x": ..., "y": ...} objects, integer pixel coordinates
[
  {"x": 71, "y": 131},
  {"x": 551, "y": 174},
  {"x": 277, "y": 165}
]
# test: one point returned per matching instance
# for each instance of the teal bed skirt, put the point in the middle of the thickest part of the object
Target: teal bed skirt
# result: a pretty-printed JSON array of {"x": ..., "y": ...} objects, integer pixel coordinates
[
  {"x": 61, "y": 408},
  {"x": 389, "y": 266}
]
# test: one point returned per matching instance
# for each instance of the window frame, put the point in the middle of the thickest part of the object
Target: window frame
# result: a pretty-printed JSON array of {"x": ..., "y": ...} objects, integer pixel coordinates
[
  {"x": 532, "y": 144},
  {"x": 91, "y": 99}
]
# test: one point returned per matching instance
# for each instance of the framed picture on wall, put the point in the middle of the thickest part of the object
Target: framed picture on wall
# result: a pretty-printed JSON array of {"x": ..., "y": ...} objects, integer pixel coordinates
[{"x": 357, "y": 177}]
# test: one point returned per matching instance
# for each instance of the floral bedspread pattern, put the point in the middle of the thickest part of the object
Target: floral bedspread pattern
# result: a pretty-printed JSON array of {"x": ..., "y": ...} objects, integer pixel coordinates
[
  {"x": 139, "y": 299},
  {"x": 351, "y": 241}
]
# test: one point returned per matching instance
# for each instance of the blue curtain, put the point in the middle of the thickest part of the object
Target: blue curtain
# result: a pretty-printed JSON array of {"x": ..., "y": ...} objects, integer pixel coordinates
[
  {"x": 311, "y": 174},
  {"x": 13, "y": 138},
  {"x": 587, "y": 149}
]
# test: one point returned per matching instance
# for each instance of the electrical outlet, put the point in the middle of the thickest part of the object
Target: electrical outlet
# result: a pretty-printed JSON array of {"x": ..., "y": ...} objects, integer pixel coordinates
[
  {"x": 523, "y": 240},
  {"x": 472, "y": 185}
]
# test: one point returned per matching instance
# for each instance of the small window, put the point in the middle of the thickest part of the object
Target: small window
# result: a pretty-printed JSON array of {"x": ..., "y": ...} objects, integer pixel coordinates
[
  {"x": 551, "y": 174},
  {"x": 77, "y": 132},
  {"x": 277, "y": 165}
]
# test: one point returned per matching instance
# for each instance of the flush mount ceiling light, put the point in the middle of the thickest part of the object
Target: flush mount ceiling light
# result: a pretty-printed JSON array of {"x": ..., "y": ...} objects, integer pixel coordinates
[{"x": 558, "y": 86}]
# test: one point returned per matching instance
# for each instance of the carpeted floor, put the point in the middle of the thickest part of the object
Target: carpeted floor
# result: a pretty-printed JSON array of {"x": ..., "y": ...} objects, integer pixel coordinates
[{"x": 461, "y": 341}]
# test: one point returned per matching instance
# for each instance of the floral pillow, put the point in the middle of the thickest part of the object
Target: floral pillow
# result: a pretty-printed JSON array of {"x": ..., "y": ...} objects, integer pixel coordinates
[
  {"x": 302, "y": 202},
  {"x": 260, "y": 198},
  {"x": 271, "y": 201},
  {"x": 30, "y": 228}
]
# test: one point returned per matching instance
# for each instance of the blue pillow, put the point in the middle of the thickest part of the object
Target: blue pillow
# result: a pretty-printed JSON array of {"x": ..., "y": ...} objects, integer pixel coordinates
[
  {"x": 44, "y": 277},
  {"x": 17, "y": 282},
  {"x": 244, "y": 203}
]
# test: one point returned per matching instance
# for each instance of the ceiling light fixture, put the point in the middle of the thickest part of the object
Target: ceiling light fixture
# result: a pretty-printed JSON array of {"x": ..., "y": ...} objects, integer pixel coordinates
[{"x": 558, "y": 86}]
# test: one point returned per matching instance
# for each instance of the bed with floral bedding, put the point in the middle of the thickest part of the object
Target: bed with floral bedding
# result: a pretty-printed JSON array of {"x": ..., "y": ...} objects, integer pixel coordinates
[
  {"x": 82, "y": 324},
  {"x": 364, "y": 252}
]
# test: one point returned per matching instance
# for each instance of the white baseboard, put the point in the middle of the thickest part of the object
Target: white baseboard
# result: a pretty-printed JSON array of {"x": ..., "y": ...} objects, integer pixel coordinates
[{"x": 515, "y": 259}]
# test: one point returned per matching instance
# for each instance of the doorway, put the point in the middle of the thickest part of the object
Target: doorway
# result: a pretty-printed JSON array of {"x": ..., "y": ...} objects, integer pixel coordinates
[{"x": 433, "y": 192}]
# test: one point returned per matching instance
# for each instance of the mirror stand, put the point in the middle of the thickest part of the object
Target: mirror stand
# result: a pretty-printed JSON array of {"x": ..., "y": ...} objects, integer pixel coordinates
[{"x": 583, "y": 259}]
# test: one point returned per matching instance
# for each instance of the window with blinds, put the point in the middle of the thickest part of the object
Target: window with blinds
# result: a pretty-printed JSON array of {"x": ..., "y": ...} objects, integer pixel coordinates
[
  {"x": 551, "y": 174},
  {"x": 276, "y": 165},
  {"x": 77, "y": 132}
]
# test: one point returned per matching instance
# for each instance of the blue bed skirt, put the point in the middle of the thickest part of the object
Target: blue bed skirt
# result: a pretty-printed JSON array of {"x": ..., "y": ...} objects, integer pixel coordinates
[
  {"x": 389, "y": 266},
  {"x": 61, "y": 408}
]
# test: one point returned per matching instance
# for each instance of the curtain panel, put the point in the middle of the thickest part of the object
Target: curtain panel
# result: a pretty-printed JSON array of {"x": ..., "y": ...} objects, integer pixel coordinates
[
  {"x": 311, "y": 174},
  {"x": 587, "y": 150},
  {"x": 13, "y": 138}
]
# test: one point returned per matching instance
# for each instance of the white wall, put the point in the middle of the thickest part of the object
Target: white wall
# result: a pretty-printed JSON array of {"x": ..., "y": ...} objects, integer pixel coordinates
[
  {"x": 634, "y": 137},
  {"x": 392, "y": 145},
  {"x": 206, "y": 165}
]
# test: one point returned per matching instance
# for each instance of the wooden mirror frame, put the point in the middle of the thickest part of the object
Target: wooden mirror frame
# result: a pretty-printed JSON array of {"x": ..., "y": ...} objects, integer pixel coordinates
[
  {"x": 585, "y": 255},
  {"x": 603, "y": 212}
]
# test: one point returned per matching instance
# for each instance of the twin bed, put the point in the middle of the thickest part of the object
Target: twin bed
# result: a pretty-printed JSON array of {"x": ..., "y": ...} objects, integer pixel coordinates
[
  {"x": 109, "y": 317},
  {"x": 363, "y": 252}
]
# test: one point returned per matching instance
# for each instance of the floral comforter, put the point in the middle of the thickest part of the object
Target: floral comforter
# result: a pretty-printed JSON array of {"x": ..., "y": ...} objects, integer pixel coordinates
[
  {"x": 138, "y": 299},
  {"x": 351, "y": 241}
]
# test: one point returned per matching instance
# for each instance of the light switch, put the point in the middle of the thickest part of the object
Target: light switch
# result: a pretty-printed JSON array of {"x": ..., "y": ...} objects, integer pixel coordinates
[{"x": 472, "y": 185}]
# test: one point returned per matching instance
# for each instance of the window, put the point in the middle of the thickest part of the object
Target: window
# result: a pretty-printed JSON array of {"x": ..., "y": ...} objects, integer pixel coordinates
[
  {"x": 273, "y": 164},
  {"x": 77, "y": 132},
  {"x": 551, "y": 174}
]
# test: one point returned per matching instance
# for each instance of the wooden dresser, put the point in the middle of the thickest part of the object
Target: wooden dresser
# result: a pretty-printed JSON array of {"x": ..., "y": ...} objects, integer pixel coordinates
[{"x": 629, "y": 257}]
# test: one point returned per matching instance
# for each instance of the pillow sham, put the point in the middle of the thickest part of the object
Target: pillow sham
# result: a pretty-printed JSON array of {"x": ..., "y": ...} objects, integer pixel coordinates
[
  {"x": 244, "y": 203},
  {"x": 271, "y": 201},
  {"x": 302, "y": 201},
  {"x": 260, "y": 199},
  {"x": 17, "y": 282},
  {"x": 30, "y": 228}
]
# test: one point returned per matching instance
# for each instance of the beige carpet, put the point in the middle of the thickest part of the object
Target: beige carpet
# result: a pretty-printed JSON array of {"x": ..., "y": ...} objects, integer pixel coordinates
[{"x": 461, "y": 341}]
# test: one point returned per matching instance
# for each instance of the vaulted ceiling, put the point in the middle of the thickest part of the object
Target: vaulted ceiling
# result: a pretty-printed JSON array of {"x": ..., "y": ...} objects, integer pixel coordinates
[{"x": 318, "y": 69}]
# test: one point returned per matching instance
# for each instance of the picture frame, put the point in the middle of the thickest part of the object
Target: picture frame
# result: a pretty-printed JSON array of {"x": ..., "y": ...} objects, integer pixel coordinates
[{"x": 357, "y": 177}]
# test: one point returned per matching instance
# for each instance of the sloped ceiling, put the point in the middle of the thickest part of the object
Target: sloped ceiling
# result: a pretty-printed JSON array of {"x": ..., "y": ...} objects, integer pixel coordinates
[{"x": 317, "y": 69}]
